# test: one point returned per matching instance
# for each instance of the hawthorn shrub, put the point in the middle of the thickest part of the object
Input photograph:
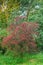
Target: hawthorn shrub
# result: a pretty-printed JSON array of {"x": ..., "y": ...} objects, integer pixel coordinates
[{"x": 22, "y": 39}]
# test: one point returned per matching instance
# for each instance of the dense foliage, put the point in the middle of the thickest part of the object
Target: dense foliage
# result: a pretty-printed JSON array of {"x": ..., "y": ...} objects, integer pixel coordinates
[
  {"x": 13, "y": 14},
  {"x": 23, "y": 36},
  {"x": 21, "y": 32}
]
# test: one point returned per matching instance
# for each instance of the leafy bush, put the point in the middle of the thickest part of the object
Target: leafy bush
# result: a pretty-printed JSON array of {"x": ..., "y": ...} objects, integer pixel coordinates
[{"x": 22, "y": 38}]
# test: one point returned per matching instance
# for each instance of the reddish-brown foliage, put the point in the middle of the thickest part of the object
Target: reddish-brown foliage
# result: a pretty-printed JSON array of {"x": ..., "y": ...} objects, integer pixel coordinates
[{"x": 22, "y": 35}]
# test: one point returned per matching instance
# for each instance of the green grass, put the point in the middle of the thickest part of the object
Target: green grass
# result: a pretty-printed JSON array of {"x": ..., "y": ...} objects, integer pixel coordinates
[{"x": 28, "y": 59}]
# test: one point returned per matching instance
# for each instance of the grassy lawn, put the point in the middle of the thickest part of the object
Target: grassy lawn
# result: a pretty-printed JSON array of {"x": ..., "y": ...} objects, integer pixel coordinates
[{"x": 34, "y": 59}]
